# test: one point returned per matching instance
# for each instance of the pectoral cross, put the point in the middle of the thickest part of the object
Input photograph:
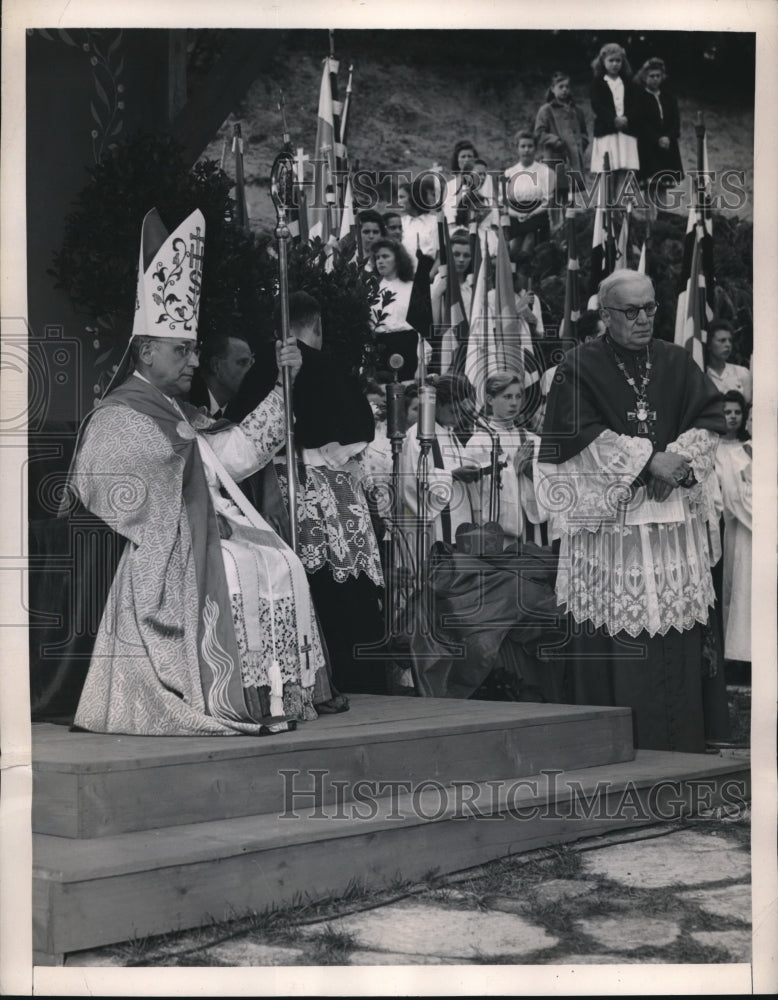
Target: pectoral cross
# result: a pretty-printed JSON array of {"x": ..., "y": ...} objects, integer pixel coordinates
[
  {"x": 642, "y": 415},
  {"x": 305, "y": 650}
]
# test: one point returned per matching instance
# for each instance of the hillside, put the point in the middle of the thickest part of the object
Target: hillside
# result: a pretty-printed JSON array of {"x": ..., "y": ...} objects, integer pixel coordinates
[{"x": 408, "y": 116}]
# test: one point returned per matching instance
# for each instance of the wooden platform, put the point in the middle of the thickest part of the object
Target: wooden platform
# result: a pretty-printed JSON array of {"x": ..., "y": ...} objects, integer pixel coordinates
[{"x": 136, "y": 836}]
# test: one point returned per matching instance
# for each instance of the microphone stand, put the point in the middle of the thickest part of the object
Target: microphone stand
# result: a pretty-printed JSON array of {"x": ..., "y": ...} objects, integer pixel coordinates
[
  {"x": 425, "y": 435},
  {"x": 280, "y": 191},
  {"x": 496, "y": 482},
  {"x": 396, "y": 435}
]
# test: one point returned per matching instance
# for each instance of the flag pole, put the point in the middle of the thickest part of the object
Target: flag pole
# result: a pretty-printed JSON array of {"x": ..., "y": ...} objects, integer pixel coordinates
[
  {"x": 280, "y": 186},
  {"x": 240, "y": 184},
  {"x": 346, "y": 106},
  {"x": 610, "y": 235},
  {"x": 699, "y": 129},
  {"x": 337, "y": 165}
]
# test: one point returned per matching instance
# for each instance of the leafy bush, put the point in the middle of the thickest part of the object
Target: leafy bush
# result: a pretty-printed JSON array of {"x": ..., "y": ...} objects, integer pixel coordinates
[
  {"x": 97, "y": 263},
  {"x": 732, "y": 265}
]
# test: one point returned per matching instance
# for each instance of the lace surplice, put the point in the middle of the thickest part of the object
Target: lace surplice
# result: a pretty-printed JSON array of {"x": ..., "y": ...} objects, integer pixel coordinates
[{"x": 626, "y": 562}]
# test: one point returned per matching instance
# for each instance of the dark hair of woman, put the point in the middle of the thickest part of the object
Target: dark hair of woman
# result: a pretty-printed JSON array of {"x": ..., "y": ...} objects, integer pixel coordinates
[
  {"x": 588, "y": 324},
  {"x": 455, "y": 389},
  {"x": 401, "y": 259},
  {"x": 369, "y": 215},
  {"x": 733, "y": 396},
  {"x": 713, "y": 328},
  {"x": 462, "y": 144},
  {"x": 650, "y": 64}
]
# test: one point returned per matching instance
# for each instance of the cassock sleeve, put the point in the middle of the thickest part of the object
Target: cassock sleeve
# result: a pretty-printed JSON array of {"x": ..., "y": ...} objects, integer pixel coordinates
[
  {"x": 587, "y": 489},
  {"x": 574, "y": 418}
]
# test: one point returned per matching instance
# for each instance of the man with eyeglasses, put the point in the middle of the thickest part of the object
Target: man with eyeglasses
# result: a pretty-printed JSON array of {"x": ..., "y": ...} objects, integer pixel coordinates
[
  {"x": 626, "y": 474},
  {"x": 224, "y": 361},
  {"x": 209, "y": 627}
]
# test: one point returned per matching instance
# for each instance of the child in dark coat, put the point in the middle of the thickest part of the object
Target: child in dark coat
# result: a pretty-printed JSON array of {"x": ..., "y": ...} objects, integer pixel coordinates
[{"x": 659, "y": 126}]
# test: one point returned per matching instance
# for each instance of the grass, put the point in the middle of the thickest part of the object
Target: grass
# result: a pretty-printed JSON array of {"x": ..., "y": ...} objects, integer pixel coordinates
[
  {"x": 331, "y": 947},
  {"x": 392, "y": 127}
]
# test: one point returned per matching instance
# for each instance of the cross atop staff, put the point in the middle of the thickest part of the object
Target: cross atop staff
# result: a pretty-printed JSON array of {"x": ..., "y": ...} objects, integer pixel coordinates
[{"x": 299, "y": 165}]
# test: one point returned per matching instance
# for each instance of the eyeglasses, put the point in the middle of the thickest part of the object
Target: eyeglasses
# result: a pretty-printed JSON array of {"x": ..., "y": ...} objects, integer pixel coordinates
[
  {"x": 632, "y": 312},
  {"x": 182, "y": 351}
]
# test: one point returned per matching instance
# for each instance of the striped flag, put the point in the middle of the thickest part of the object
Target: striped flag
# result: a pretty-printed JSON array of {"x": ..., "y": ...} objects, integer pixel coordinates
[
  {"x": 695, "y": 300},
  {"x": 480, "y": 342},
  {"x": 534, "y": 362},
  {"x": 622, "y": 244},
  {"x": 324, "y": 218},
  {"x": 572, "y": 309},
  {"x": 348, "y": 222},
  {"x": 603, "y": 259},
  {"x": 477, "y": 258},
  {"x": 454, "y": 323},
  {"x": 498, "y": 338},
  {"x": 694, "y": 308},
  {"x": 419, "y": 314},
  {"x": 511, "y": 335}
]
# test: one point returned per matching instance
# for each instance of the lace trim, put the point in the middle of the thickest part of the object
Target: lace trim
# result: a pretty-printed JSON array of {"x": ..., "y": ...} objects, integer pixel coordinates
[
  {"x": 265, "y": 426},
  {"x": 633, "y": 579},
  {"x": 255, "y": 663},
  {"x": 334, "y": 525}
]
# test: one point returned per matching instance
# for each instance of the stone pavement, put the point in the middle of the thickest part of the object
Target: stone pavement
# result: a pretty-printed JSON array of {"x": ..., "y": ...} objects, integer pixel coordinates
[{"x": 671, "y": 893}]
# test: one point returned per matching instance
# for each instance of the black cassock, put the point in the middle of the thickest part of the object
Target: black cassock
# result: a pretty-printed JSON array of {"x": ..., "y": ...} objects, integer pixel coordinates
[{"x": 666, "y": 680}]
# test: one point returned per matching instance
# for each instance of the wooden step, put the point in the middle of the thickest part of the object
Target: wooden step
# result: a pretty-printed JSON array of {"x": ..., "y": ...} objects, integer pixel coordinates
[
  {"x": 88, "y": 785},
  {"x": 114, "y": 888}
]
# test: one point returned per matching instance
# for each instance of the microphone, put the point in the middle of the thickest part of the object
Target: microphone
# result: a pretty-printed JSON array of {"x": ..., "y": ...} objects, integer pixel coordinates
[
  {"x": 394, "y": 401},
  {"x": 425, "y": 433}
]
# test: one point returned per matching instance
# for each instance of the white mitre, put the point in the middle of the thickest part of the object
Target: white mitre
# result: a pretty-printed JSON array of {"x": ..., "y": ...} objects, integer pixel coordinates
[
  {"x": 167, "y": 300},
  {"x": 167, "y": 297}
]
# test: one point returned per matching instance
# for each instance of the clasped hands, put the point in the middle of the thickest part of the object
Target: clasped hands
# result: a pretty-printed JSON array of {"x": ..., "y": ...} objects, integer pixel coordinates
[{"x": 666, "y": 471}]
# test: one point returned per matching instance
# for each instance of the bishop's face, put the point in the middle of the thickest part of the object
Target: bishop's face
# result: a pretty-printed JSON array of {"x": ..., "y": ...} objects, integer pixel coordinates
[
  {"x": 633, "y": 291},
  {"x": 170, "y": 364}
]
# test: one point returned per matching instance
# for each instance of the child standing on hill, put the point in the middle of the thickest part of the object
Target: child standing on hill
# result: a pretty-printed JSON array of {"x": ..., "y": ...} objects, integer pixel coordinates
[
  {"x": 660, "y": 128},
  {"x": 560, "y": 132},
  {"x": 616, "y": 110}
]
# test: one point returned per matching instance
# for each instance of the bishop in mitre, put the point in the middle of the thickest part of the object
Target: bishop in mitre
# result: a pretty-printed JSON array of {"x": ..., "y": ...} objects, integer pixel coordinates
[{"x": 208, "y": 629}]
